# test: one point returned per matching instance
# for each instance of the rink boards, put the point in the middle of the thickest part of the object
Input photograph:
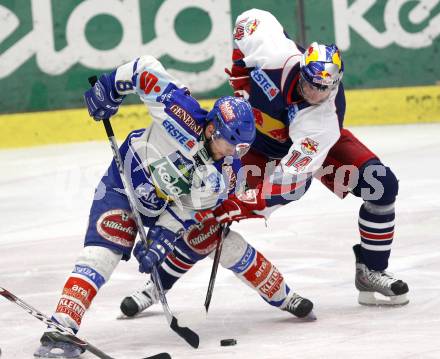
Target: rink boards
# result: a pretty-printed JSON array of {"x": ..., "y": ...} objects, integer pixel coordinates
[{"x": 364, "y": 107}]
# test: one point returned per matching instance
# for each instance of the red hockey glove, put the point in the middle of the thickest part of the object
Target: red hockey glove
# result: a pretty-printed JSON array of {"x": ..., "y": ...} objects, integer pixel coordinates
[
  {"x": 239, "y": 81},
  {"x": 236, "y": 208}
]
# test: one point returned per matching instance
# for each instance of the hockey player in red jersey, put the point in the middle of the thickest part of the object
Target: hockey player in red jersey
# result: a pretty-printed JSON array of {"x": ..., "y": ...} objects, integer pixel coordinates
[{"x": 299, "y": 106}]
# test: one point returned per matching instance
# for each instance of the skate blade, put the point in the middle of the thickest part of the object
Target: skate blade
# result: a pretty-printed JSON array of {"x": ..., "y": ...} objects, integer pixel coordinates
[
  {"x": 122, "y": 316},
  {"x": 53, "y": 351},
  {"x": 140, "y": 315},
  {"x": 376, "y": 299},
  {"x": 310, "y": 317}
]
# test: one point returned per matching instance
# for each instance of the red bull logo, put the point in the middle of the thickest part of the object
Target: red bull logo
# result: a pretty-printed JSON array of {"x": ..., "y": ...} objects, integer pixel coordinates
[
  {"x": 309, "y": 147},
  {"x": 251, "y": 26},
  {"x": 324, "y": 74},
  {"x": 317, "y": 52}
]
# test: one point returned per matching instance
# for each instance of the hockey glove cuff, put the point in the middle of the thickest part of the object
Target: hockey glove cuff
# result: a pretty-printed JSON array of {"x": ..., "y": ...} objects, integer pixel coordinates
[
  {"x": 236, "y": 208},
  {"x": 239, "y": 81}
]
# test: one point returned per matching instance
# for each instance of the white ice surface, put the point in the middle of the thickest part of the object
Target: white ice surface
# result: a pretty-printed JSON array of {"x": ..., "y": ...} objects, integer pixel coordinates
[{"x": 45, "y": 194}]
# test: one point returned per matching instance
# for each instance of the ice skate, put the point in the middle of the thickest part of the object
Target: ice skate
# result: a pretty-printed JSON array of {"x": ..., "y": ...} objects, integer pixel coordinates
[
  {"x": 140, "y": 300},
  {"x": 378, "y": 287},
  {"x": 299, "y": 307},
  {"x": 54, "y": 346}
]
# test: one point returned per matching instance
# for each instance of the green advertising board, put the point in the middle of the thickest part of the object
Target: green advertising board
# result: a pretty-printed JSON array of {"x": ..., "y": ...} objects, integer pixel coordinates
[{"x": 48, "y": 49}]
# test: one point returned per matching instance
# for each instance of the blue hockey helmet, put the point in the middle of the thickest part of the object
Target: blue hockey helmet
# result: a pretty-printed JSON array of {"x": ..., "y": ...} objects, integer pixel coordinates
[
  {"x": 321, "y": 66},
  {"x": 234, "y": 121}
]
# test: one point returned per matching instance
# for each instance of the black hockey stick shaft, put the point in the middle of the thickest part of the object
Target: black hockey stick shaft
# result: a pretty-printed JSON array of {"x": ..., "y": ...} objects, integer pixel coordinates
[
  {"x": 62, "y": 332},
  {"x": 187, "y": 334},
  {"x": 218, "y": 251}
]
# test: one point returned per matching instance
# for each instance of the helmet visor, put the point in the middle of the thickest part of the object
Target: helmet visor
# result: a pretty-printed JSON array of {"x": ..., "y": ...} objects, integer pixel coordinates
[
  {"x": 313, "y": 93},
  {"x": 228, "y": 149}
]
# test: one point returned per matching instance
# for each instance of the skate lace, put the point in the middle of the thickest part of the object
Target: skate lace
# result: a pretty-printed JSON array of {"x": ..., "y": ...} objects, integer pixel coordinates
[
  {"x": 294, "y": 302},
  {"x": 382, "y": 279},
  {"x": 144, "y": 297}
]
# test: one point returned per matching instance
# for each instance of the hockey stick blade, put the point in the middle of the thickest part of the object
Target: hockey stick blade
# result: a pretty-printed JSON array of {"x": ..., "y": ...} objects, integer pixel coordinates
[
  {"x": 186, "y": 333},
  {"x": 159, "y": 356},
  {"x": 62, "y": 332}
]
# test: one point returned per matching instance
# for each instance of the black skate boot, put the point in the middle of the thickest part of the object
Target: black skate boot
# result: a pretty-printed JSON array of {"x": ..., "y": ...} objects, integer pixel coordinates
[
  {"x": 140, "y": 300},
  {"x": 370, "y": 282},
  {"x": 299, "y": 306},
  {"x": 53, "y": 345}
]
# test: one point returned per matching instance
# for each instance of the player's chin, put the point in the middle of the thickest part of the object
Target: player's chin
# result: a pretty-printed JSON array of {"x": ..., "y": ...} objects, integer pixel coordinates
[
  {"x": 316, "y": 97},
  {"x": 219, "y": 154},
  {"x": 218, "y": 157},
  {"x": 316, "y": 100}
]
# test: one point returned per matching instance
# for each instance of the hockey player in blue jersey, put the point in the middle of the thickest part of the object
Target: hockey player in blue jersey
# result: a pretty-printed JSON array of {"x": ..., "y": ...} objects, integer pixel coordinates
[{"x": 186, "y": 161}]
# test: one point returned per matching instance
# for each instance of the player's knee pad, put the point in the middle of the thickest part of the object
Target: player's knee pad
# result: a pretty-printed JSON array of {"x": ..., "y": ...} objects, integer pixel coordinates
[
  {"x": 237, "y": 254},
  {"x": 377, "y": 184},
  {"x": 92, "y": 269},
  {"x": 233, "y": 250},
  {"x": 99, "y": 259}
]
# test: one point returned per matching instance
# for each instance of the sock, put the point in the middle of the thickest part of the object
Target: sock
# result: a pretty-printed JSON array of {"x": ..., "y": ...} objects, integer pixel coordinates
[{"x": 376, "y": 227}]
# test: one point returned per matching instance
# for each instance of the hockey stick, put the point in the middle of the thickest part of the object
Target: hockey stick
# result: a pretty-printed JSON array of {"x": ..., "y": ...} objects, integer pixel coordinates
[
  {"x": 62, "y": 332},
  {"x": 218, "y": 250},
  {"x": 186, "y": 333}
]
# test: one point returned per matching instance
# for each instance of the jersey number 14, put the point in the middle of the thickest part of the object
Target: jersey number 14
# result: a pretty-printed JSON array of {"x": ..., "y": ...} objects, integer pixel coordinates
[{"x": 297, "y": 161}]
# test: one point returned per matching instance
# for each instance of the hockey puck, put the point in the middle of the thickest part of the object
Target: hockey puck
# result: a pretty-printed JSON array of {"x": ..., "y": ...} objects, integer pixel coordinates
[{"x": 228, "y": 342}]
